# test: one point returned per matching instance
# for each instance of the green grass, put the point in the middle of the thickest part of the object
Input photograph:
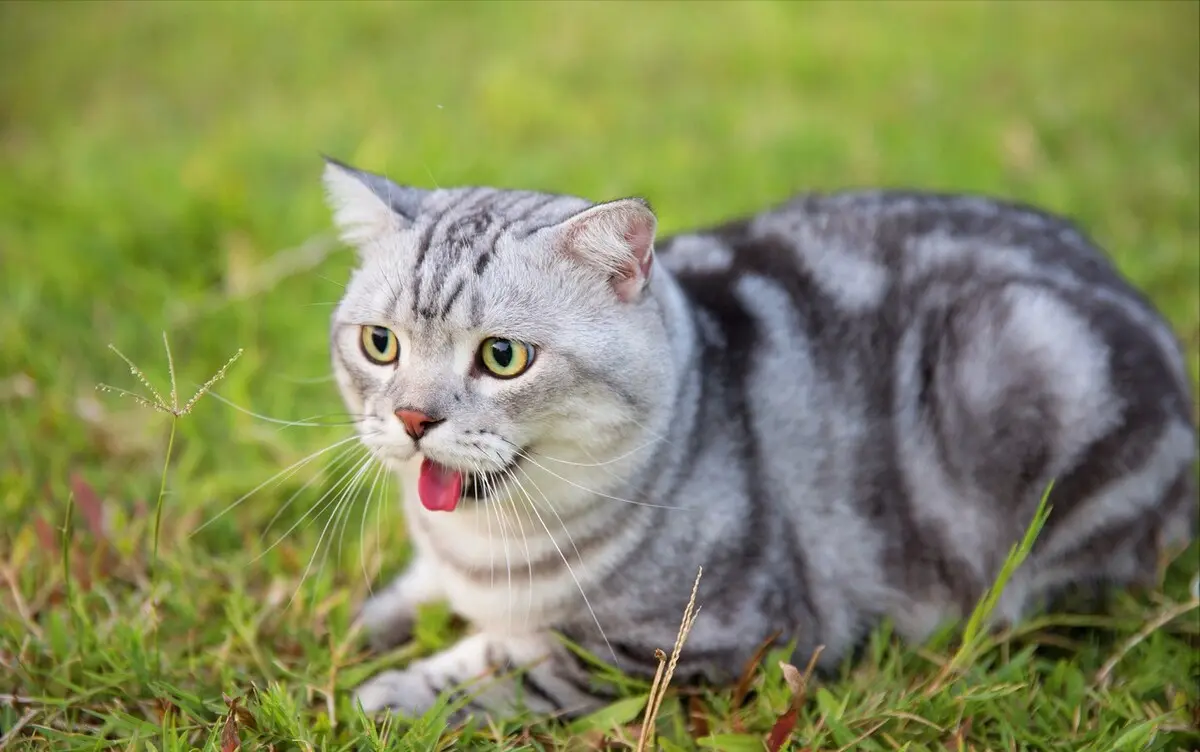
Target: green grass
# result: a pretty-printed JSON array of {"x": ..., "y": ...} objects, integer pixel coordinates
[{"x": 161, "y": 173}]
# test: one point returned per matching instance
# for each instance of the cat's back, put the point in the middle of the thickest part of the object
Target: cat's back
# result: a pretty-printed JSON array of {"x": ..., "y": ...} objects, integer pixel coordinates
[
  {"x": 909, "y": 371},
  {"x": 855, "y": 246},
  {"x": 869, "y": 263}
]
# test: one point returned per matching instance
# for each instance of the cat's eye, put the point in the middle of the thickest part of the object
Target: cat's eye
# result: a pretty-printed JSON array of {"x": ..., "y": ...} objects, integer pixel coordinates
[
  {"x": 505, "y": 358},
  {"x": 379, "y": 344}
]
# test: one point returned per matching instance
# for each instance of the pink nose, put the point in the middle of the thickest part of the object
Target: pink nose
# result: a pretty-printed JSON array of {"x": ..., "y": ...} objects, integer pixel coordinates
[{"x": 415, "y": 422}]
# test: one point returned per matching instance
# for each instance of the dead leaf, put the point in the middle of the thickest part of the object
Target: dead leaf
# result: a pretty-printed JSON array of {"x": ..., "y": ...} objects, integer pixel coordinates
[
  {"x": 742, "y": 688},
  {"x": 782, "y": 730},
  {"x": 231, "y": 740},
  {"x": 797, "y": 684},
  {"x": 957, "y": 742},
  {"x": 698, "y": 717},
  {"x": 89, "y": 505},
  {"x": 46, "y": 535},
  {"x": 791, "y": 675}
]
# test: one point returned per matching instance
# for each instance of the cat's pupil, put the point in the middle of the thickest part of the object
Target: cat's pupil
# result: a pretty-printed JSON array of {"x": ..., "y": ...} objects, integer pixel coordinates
[
  {"x": 379, "y": 338},
  {"x": 502, "y": 353}
]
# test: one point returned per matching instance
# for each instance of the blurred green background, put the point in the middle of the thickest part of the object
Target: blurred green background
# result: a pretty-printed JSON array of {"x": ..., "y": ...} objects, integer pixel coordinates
[
  {"x": 161, "y": 172},
  {"x": 158, "y": 155}
]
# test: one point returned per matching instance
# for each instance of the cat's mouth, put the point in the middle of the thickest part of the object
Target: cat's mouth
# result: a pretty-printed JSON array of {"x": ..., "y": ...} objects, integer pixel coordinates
[{"x": 441, "y": 487}]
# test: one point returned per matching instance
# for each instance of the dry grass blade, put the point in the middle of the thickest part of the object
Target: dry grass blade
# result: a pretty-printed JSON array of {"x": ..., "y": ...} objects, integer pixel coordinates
[
  {"x": 21, "y": 723},
  {"x": 662, "y": 678},
  {"x": 1104, "y": 675}
]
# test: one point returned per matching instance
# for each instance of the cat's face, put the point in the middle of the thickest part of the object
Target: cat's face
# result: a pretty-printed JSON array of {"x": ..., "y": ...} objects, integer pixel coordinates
[{"x": 485, "y": 328}]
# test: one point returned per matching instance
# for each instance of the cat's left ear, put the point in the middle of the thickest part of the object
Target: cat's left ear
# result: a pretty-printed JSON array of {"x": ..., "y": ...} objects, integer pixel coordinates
[
  {"x": 618, "y": 238},
  {"x": 366, "y": 206}
]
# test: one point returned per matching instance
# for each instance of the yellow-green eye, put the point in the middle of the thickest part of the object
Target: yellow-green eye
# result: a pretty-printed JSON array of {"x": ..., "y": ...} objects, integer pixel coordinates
[
  {"x": 505, "y": 358},
  {"x": 379, "y": 344}
]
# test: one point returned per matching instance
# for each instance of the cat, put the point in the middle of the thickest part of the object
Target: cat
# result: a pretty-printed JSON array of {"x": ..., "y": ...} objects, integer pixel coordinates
[{"x": 845, "y": 408}]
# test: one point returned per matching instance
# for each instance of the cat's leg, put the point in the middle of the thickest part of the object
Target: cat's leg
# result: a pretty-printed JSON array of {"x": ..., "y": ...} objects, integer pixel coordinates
[
  {"x": 390, "y": 615},
  {"x": 499, "y": 675}
]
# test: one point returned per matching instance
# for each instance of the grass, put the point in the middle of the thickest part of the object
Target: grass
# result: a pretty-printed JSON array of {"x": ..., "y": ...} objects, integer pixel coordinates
[{"x": 161, "y": 174}]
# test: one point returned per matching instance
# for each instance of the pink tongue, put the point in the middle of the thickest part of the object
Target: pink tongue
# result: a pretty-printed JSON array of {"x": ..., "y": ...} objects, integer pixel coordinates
[{"x": 439, "y": 487}]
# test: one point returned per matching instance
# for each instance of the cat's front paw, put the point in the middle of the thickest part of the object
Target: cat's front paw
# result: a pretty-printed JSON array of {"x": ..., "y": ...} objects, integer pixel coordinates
[
  {"x": 390, "y": 616},
  {"x": 387, "y": 621},
  {"x": 408, "y": 693},
  {"x": 490, "y": 675},
  {"x": 415, "y": 691}
]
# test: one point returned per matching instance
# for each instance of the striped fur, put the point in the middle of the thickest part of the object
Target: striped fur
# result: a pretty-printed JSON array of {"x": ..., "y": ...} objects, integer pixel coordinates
[{"x": 845, "y": 408}]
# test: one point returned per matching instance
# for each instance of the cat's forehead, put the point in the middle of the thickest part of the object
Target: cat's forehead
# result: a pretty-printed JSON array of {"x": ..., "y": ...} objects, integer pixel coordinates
[
  {"x": 452, "y": 212},
  {"x": 473, "y": 259}
]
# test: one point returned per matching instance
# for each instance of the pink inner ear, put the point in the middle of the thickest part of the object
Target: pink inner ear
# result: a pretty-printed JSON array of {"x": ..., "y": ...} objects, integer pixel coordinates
[{"x": 640, "y": 238}]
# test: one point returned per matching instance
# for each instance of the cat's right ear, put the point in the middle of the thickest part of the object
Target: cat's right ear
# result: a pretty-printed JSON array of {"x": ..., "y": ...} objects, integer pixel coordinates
[{"x": 367, "y": 207}]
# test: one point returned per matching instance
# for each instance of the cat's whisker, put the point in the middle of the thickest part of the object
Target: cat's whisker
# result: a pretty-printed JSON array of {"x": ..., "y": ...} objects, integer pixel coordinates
[
  {"x": 341, "y": 527},
  {"x": 488, "y": 500},
  {"x": 525, "y": 455},
  {"x": 501, "y": 510},
  {"x": 528, "y": 554},
  {"x": 528, "y": 559},
  {"x": 308, "y": 379},
  {"x": 331, "y": 281},
  {"x": 380, "y": 471},
  {"x": 303, "y": 422},
  {"x": 505, "y": 525},
  {"x": 320, "y": 504},
  {"x": 563, "y": 556},
  {"x": 287, "y": 472},
  {"x": 340, "y": 500},
  {"x": 334, "y": 464},
  {"x": 487, "y": 510},
  {"x": 654, "y": 434},
  {"x": 603, "y": 463}
]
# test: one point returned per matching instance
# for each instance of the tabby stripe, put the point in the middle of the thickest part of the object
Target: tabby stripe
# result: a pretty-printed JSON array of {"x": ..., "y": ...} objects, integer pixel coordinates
[
  {"x": 446, "y": 306},
  {"x": 468, "y": 200},
  {"x": 485, "y": 255},
  {"x": 535, "y": 689}
]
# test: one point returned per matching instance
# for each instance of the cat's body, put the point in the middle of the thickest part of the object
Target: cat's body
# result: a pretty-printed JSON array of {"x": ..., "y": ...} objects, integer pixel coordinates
[{"x": 844, "y": 409}]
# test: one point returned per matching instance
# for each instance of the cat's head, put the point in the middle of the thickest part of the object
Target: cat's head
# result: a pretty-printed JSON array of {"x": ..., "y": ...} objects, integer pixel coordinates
[{"x": 488, "y": 330}]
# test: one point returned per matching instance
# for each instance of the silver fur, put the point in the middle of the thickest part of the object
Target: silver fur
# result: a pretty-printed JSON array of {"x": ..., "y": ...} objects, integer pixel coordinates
[{"x": 845, "y": 408}]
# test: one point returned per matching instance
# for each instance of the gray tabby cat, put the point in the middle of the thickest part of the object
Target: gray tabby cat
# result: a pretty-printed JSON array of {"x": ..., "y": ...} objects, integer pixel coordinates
[{"x": 846, "y": 408}]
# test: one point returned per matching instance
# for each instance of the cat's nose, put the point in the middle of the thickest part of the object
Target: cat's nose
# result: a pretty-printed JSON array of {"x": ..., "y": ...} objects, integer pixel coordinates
[{"x": 416, "y": 423}]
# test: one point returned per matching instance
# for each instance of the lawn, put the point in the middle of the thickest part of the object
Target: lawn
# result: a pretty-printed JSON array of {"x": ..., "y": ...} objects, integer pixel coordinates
[{"x": 161, "y": 174}]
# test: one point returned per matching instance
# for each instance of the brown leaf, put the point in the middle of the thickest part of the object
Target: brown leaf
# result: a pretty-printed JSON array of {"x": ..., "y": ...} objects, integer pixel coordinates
[
  {"x": 797, "y": 685},
  {"x": 782, "y": 729},
  {"x": 742, "y": 688},
  {"x": 956, "y": 743},
  {"x": 89, "y": 505},
  {"x": 244, "y": 717},
  {"x": 45, "y": 534},
  {"x": 698, "y": 717},
  {"x": 164, "y": 708},
  {"x": 230, "y": 739}
]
